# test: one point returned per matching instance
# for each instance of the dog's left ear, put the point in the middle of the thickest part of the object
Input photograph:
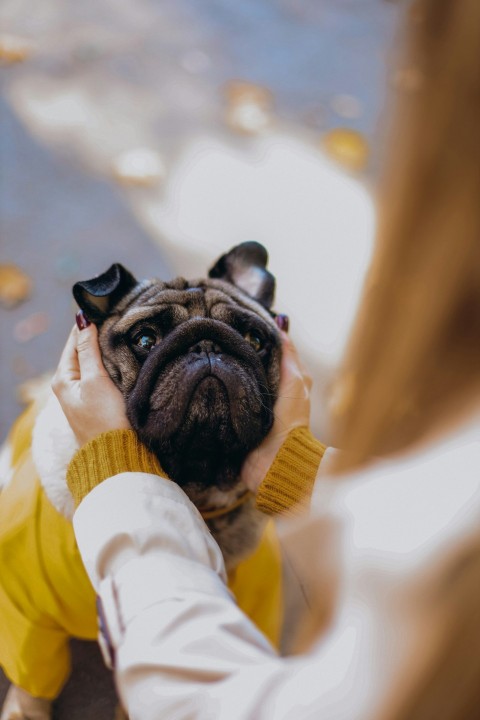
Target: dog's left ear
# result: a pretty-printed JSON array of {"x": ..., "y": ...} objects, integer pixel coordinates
[
  {"x": 98, "y": 296},
  {"x": 245, "y": 266}
]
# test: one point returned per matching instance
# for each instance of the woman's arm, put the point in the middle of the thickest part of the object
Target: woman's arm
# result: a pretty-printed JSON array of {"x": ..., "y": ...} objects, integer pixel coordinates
[
  {"x": 175, "y": 629},
  {"x": 177, "y": 634},
  {"x": 181, "y": 647}
]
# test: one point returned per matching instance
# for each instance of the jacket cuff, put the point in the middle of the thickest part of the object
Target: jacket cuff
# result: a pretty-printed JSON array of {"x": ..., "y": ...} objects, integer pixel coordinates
[
  {"x": 109, "y": 454},
  {"x": 288, "y": 484}
]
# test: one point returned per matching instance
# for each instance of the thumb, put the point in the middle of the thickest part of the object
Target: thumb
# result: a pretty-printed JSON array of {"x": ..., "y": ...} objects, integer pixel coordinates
[
  {"x": 88, "y": 351},
  {"x": 292, "y": 366}
]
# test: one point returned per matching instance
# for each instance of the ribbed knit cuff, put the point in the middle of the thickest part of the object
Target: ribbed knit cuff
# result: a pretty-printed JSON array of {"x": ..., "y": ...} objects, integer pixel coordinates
[
  {"x": 108, "y": 454},
  {"x": 288, "y": 484}
]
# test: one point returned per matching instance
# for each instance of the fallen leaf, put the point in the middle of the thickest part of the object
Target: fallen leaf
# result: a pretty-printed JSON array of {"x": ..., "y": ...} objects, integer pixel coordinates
[
  {"x": 240, "y": 91},
  {"x": 13, "y": 49},
  {"x": 15, "y": 285},
  {"x": 140, "y": 166},
  {"x": 347, "y": 147},
  {"x": 249, "y": 107}
]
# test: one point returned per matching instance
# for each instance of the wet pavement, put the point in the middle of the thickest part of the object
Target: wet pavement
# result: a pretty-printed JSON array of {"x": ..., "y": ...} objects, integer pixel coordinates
[
  {"x": 59, "y": 225},
  {"x": 103, "y": 77},
  {"x": 106, "y": 77}
]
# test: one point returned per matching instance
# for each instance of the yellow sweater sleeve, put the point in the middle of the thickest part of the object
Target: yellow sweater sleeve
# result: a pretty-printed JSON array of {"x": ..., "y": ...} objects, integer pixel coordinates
[
  {"x": 108, "y": 454},
  {"x": 287, "y": 487},
  {"x": 288, "y": 484}
]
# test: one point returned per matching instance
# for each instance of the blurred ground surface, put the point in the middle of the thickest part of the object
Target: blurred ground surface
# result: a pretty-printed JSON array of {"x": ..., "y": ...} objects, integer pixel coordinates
[{"x": 102, "y": 77}]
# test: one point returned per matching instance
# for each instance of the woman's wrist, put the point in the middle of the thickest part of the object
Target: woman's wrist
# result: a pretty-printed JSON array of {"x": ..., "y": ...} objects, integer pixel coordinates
[
  {"x": 288, "y": 484},
  {"x": 108, "y": 454}
]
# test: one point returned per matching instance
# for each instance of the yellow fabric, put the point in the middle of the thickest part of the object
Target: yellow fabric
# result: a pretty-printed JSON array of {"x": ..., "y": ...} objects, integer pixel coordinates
[
  {"x": 45, "y": 593},
  {"x": 288, "y": 484},
  {"x": 20, "y": 438},
  {"x": 46, "y": 596},
  {"x": 257, "y": 584}
]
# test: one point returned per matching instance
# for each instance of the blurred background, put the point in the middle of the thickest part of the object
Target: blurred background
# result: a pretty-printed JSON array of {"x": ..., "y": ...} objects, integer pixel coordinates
[{"x": 161, "y": 133}]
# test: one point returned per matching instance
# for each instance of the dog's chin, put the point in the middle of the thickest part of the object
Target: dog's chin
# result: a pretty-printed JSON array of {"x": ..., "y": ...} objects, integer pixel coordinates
[{"x": 204, "y": 449}]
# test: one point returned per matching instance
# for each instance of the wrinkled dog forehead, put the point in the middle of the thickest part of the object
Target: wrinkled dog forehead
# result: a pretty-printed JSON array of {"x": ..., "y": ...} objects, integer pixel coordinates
[
  {"x": 238, "y": 293},
  {"x": 239, "y": 277},
  {"x": 180, "y": 300}
]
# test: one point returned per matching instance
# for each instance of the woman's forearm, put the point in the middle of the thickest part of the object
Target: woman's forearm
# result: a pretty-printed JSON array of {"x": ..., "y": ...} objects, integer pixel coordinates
[
  {"x": 175, "y": 628},
  {"x": 182, "y": 647}
]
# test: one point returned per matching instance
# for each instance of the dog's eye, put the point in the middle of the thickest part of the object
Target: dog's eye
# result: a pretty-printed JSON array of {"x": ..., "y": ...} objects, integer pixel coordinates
[
  {"x": 145, "y": 340},
  {"x": 254, "y": 339}
]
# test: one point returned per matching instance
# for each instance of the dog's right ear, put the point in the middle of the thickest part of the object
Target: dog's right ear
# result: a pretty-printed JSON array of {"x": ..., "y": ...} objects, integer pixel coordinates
[
  {"x": 98, "y": 296},
  {"x": 245, "y": 266}
]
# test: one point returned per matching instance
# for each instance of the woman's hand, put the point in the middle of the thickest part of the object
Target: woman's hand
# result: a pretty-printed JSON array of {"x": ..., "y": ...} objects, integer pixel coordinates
[
  {"x": 91, "y": 402},
  {"x": 291, "y": 410}
]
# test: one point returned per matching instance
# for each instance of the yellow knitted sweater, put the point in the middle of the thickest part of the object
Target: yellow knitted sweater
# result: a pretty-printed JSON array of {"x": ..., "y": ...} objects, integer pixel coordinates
[{"x": 287, "y": 486}]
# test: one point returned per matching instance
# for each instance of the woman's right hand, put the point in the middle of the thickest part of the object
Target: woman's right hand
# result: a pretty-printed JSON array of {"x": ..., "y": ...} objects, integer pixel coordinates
[
  {"x": 292, "y": 409},
  {"x": 91, "y": 402}
]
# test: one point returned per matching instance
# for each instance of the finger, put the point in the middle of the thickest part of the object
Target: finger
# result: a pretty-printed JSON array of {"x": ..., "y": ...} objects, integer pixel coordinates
[
  {"x": 88, "y": 353},
  {"x": 290, "y": 352},
  {"x": 68, "y": 369},
  {"x": 291, "y": 361}
]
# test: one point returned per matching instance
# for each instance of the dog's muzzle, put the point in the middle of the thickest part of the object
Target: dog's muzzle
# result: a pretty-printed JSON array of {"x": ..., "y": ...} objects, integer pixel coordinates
[{"x": 197, "y": 350}]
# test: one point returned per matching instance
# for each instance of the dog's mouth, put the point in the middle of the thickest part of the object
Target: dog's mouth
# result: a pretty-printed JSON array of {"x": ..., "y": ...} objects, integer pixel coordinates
[
  {"x": 207, "y": 415},
  {"x": 210, "y": 399},
  {"x": 201, "y": 403}
]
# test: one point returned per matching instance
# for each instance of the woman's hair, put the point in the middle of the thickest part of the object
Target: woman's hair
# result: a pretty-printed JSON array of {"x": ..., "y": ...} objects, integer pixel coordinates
[
  {"x": 443, "y": 680},
  {"x": 413, "y": 363},
  {"x": 414, "y": 356}
]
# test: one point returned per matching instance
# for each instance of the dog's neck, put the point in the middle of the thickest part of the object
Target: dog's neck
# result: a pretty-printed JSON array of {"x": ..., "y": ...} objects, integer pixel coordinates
[
  {"x": 54, "y": 445},
  {"x": 212, "y": 513}
]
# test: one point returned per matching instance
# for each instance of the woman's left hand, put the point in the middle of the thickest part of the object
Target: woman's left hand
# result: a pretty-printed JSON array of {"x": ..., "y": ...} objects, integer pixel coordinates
[
  {"x": 91, "y": 402},
  {"x": 291, "y": 410}
]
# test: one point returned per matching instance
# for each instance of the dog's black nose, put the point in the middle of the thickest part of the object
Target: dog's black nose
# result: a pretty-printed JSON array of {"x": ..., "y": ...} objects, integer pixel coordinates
[{"x": 204, "y": 347}]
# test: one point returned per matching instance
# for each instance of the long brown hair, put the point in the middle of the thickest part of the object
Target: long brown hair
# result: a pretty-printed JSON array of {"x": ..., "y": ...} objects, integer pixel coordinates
[
  {"x": 443, "y": 679},
  {"x": 414, "y": 357},
  {"x": 413, "y": 363}
]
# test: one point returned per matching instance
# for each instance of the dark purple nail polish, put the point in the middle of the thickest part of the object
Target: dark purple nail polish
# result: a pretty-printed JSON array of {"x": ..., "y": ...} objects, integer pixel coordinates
[
  {"x": 282, "y": 322},
  {"x": 82, "y": 320}
]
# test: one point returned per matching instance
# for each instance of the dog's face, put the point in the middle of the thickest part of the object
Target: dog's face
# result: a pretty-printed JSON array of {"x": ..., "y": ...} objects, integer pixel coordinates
[{"x": 197, "y": 361}]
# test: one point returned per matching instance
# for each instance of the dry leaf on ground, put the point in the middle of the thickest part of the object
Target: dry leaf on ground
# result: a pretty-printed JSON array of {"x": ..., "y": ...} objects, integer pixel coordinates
[
  {"x": 15, "y": 285},
  {"x": 13, "y": 49}
]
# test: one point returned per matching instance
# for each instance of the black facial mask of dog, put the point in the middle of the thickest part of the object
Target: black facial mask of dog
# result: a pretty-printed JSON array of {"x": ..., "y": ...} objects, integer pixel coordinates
[{"x": 197, "y": 361}]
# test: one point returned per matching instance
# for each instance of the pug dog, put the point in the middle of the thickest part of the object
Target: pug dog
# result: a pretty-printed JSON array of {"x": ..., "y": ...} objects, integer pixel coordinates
[{"x": 198, "y": 363}]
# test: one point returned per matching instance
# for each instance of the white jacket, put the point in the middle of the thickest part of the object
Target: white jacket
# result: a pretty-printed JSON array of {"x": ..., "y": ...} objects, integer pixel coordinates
[{"x": 184, "y": 650}]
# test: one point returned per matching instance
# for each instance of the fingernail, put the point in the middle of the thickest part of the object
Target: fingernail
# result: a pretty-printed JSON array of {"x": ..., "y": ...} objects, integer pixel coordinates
[
  {"x": 82, "y": 320},
  {"x": 282, "y": 322}
]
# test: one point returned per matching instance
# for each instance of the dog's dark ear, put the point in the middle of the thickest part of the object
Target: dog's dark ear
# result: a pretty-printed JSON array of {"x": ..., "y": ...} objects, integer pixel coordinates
[
  {"x": 97, "y": 297},
  {"x": 245, "y": 266}
]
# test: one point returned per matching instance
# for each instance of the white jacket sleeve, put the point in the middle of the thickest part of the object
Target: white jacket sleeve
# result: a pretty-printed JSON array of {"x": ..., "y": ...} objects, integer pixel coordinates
[
  {"x": 177, "y": 634},
  {"x": 182, "y": 647}
]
